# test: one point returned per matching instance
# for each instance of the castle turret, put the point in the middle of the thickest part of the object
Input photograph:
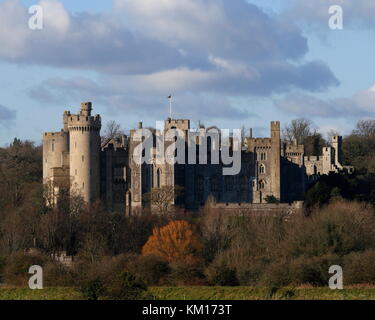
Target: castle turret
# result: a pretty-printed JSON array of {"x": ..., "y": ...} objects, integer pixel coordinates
[
  {"x": 84, "y": 132},
  {"x": 337, "y": 147}
]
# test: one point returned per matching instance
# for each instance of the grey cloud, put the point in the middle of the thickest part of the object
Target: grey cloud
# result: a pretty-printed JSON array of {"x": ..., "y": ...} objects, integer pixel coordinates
[
  {"x": 199, "y": 106},
  {"x": 7, "y": 116},
  {"x": 232, "y": 46},
  {"x": 362, "y": 104}
]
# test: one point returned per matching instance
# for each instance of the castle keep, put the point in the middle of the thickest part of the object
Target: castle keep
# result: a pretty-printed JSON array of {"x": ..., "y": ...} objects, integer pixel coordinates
[{"x": 76, "y": 160}]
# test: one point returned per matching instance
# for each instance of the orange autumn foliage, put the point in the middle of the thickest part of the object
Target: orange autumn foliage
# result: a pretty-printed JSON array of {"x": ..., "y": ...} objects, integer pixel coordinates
[{"x": 178, "y": 241}]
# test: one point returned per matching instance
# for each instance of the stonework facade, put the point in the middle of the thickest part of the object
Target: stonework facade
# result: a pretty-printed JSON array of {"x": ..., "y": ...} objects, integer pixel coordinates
[{"x": 76, "y": 159}]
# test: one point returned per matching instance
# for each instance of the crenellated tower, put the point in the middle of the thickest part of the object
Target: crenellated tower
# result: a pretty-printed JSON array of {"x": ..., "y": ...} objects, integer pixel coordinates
[{"x": 84, "y": 133}]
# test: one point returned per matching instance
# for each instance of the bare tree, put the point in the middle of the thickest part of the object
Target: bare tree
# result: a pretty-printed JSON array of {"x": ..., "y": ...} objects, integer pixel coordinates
[
  {"x": 298, "y": 129},
  {"x": 162, "y": 199},
  {"x": 113, "y": 130},
  {"x": 365, "y": 128}
]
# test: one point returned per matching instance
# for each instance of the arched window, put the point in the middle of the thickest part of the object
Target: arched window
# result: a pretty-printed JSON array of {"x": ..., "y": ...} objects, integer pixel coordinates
[
  {"x": 262, "y": 184},
  {"x": 262, "y": 168}
]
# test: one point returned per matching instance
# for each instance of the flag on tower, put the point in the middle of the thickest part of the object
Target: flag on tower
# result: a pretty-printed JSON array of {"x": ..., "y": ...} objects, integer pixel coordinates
[{"x": 170, "y": 96}]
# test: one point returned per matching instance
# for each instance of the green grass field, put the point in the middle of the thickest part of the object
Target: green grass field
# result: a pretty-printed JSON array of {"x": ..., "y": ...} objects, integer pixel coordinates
[{"x": 203, "y": 293}]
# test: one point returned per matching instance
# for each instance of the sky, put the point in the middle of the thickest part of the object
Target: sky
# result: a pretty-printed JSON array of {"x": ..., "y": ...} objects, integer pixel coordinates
[{"x": 229, "y": 63}]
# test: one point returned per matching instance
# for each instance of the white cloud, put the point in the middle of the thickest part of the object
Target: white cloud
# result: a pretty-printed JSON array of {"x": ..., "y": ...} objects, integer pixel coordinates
[
  {"x": 361, "y": 104},
  {"x": 55, "y": 16}
]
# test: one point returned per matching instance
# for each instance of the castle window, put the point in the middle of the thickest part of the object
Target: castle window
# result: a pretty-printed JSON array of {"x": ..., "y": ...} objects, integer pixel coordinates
[
  {"x": 53, "y": 146},
  {"x": 76, "y": 171},
  {"x": 83, "y": 158},
  {"x": 262, "y": 169},
  {"x": 83, "y": 185},
  {"x": 262, "y": 184}
]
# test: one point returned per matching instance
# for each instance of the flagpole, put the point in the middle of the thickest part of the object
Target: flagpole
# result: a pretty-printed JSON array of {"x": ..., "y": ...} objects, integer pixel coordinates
[{"x": 170, "y": 106}]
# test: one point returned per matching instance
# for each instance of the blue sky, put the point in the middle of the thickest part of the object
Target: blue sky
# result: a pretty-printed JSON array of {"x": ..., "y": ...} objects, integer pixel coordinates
[{"x": 228, "y": 63}]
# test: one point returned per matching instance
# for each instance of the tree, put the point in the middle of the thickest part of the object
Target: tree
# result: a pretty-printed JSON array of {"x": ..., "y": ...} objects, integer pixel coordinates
[
  {"x": 112, "y": 131},
  {"x": 314, "y": 144},
  {"x": 298, "y": 129},
  {"x": 365, "y": 128},
  {"x": 301, "y": 131},
  {"x": 359, "y": 146},
  {"x": 162, "y": 199},
  {"x": 128, "y": 287},
  {"x": 178, "y": 241}
]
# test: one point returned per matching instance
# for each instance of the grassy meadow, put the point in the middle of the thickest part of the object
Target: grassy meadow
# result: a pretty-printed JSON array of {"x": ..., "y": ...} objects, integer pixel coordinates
[{"x": 205, "y": 293}]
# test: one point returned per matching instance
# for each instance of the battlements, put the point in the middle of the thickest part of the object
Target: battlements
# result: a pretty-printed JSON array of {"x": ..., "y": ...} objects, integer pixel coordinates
[
  {"x": 293, "y": 148},
  {"x": 183, "y": 124},
  {"x": 86, "y": 108},
  {"x": 275, "y": 125},
  {"x": 312, "y": 158},
  {"x": 84, "y": 123},
  {"x": 259, "y": 143},
  {"x": 52, "y": 135}
]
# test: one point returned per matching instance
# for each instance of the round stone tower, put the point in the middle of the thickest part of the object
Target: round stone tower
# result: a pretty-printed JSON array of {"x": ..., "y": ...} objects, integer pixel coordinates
[
  {"x": 55, "y": 148},
  {"x": 84, "y": 131}
]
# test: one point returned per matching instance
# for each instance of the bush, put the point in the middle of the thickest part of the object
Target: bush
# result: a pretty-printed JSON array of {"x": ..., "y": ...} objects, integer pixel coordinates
[
  {"x": 313, "y": 270},
  {"x": 221, "y": 275},
  {"x": 184, "y": 274},
  {"x": 277, "y": 275},
  {"x": 57, "y": 275},
  {"x": 339, "y": 228},
  {"x": 128, "y": 287},
  {"x": 359, "y": 268},
  {"x": 16, "y": 270},
  {"x": 105, "y": 269},
  {"x": 152, "y": 269},
  {"x": 92, "y": 289},
  {"x": 2, "y": 266}
]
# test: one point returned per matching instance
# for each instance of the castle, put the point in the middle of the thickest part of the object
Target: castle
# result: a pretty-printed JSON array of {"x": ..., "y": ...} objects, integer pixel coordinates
[{"x": 78, "y": 160}]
